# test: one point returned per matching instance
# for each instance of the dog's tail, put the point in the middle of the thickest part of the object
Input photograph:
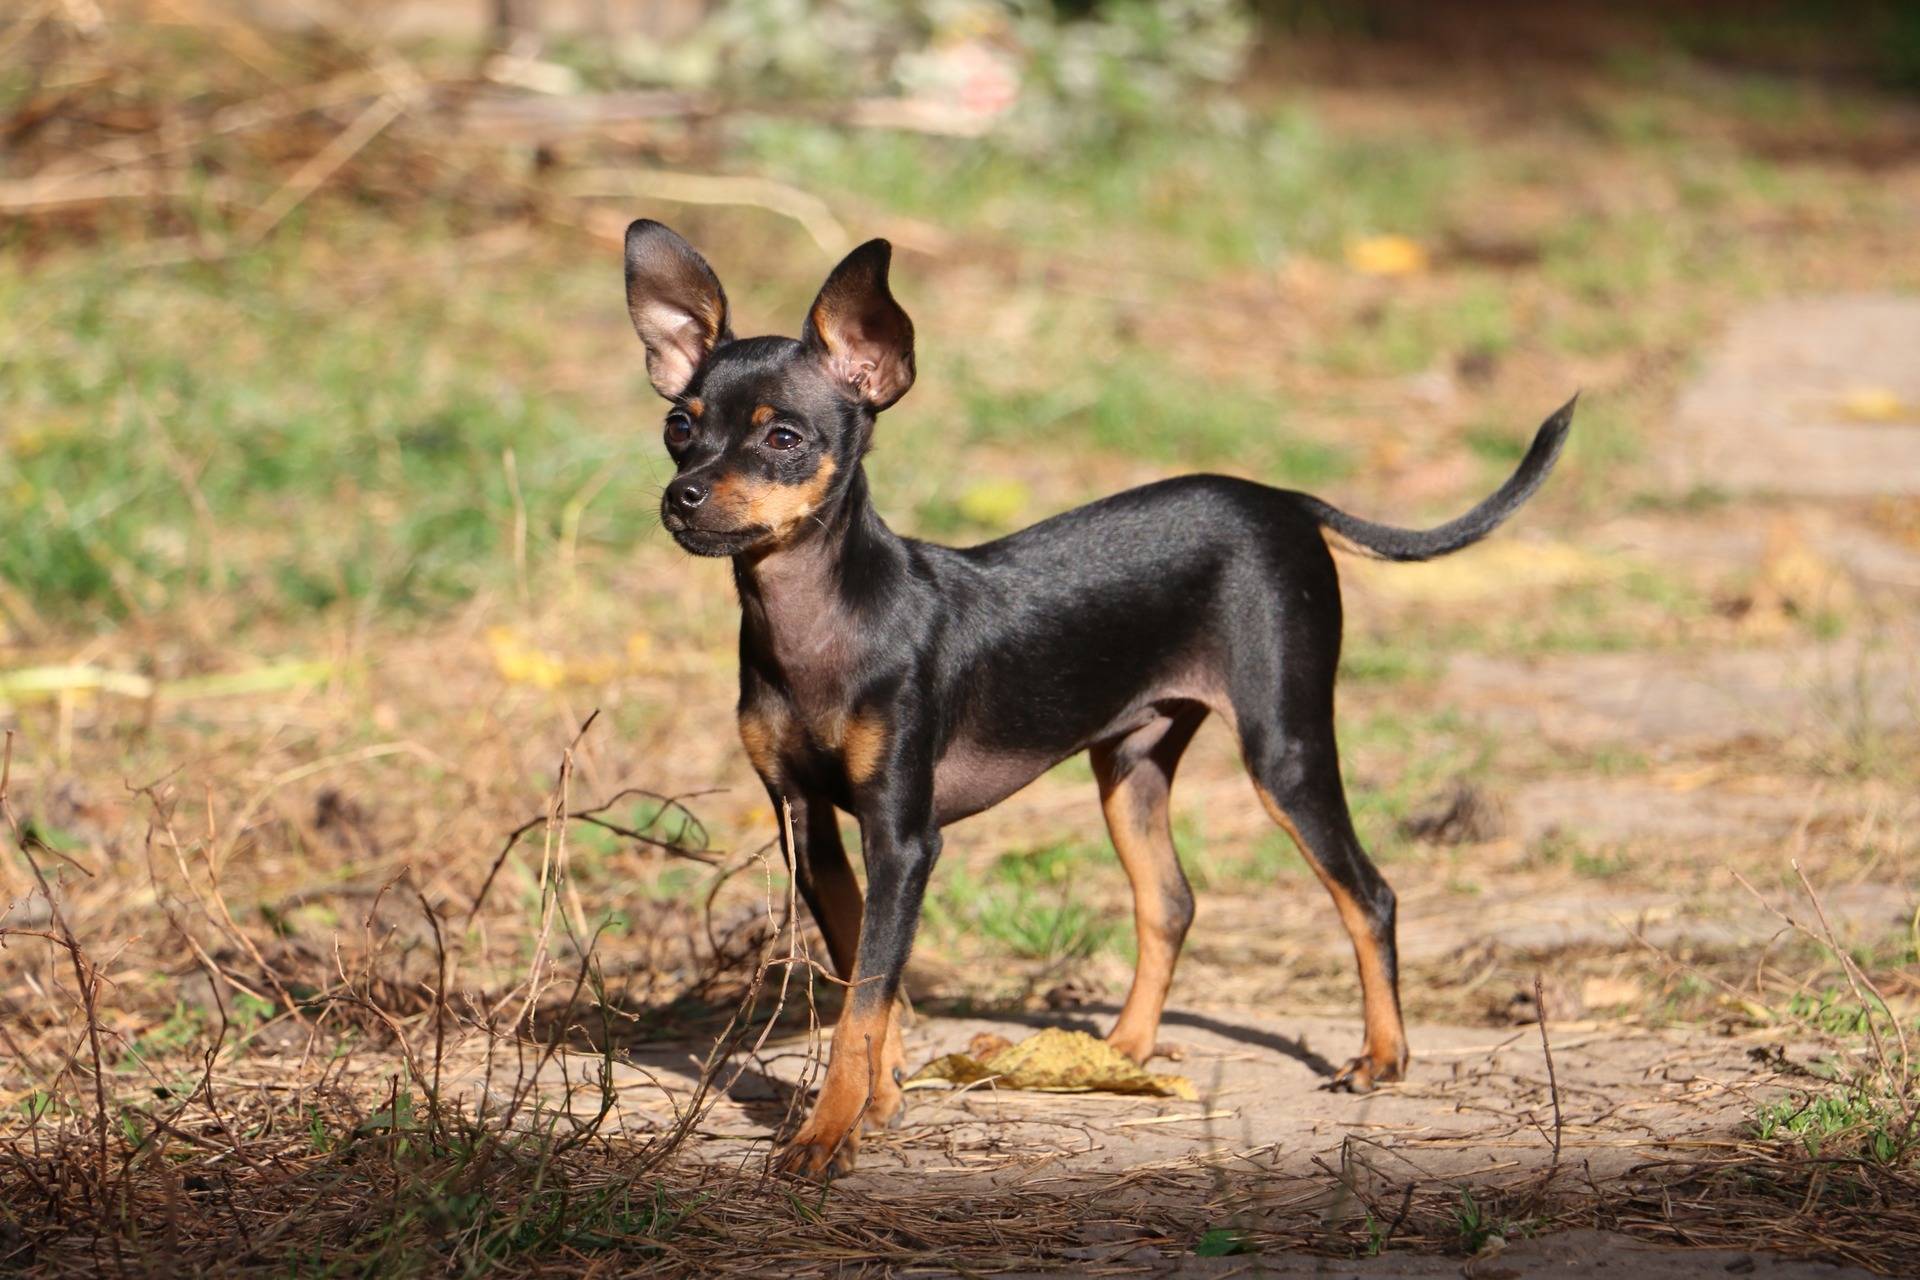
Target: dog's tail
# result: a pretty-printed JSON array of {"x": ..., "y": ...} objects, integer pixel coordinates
[{"x": 1385, "y": 542}]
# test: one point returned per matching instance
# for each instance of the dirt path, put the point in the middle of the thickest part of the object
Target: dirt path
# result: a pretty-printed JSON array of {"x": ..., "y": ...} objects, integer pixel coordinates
[
  {"x": 1477, "y": 1118},
  {"x": 1807, "y": 396},
  {"x": 1478, "y": 1106}
]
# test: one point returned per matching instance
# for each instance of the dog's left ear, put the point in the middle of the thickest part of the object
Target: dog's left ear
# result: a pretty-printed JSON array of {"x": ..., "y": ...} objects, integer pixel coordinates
[{"x": 859, "y": 331}]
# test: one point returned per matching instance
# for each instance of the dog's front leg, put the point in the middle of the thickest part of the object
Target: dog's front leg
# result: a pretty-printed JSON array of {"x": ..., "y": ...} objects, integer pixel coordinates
[{"x": 865, "y": 1066}]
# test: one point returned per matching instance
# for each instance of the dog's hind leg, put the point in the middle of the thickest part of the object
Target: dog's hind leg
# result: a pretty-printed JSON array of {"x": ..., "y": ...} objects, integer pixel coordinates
[
  {"x": 1299, "y": 782},
  {"x": 1135, "y": 773},
  {"x": 1281, "y": 687}
]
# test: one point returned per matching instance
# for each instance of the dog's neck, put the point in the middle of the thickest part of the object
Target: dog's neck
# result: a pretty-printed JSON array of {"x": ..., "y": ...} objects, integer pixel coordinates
[{"x": 798, "y": 602}]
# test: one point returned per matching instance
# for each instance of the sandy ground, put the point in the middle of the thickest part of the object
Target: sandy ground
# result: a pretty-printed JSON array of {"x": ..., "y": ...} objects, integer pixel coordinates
[
  {"x": 1478, "y": 1113},
  {"x": 1477, "y": 1107}
]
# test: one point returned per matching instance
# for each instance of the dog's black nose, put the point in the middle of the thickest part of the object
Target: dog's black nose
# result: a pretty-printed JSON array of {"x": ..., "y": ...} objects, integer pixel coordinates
[{"x": 687, "y": 494}]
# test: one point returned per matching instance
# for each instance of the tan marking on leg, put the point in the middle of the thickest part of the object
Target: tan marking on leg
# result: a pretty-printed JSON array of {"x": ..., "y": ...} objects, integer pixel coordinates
[
  {"x": 863, "y": 741},
  {"x": 889, "y": 1101},
  {"x": 1145, "y": 845},
  {"x": 838, "y": 892},
  {"x": 844, "y": 909},
  {"x": 859, "y": 1091},
  {"x": 1386, "y": 1038}
]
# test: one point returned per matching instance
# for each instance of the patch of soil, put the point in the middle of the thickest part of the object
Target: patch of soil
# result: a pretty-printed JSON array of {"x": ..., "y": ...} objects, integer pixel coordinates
[
  {"x": 1478, "y": 1113},
  {"x": 1674, "y": 698},
  {"x": 1806, "y": 396}
]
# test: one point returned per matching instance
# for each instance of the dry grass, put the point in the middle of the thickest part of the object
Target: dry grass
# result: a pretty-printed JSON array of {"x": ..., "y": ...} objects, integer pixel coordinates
[{"x": 391, "y": 1107}]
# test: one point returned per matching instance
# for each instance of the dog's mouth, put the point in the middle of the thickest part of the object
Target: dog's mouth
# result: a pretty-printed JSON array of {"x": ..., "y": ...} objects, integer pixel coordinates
[{"x": 710, "y": 542}]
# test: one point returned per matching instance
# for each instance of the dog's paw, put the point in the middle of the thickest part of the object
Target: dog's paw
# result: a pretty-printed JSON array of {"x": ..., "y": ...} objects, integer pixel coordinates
[
  {"x": 1135, "y": 1045},
  {"x": 1364, "y": 1073},
  {"x": 816, "y": 1158}
]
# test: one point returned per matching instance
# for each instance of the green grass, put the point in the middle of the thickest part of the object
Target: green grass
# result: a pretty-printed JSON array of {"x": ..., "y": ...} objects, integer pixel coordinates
[
  {"x": 1394, "y": 763},
  {"x": 326, "y": 423},
  {"x": 1834, "y": 1012},
  {"x": 1258, "y": 864},
  {"x": 1850, "y": 1118},
  {"x": 1146, "y": 410},
  {"x": 1476, "y": 316},
  {"x": 1243, "y": 190},
  {"x": 1560, "y": 849},
  {"x": 268, "y": 431},
  {"x": 189, "y": 1025},
  {"x": 1477, "y": 1225},
  {"x": 1640, "y": 608},
  {"x": 1390, "y": 658},
  {"x": 1031, "y": 902}
]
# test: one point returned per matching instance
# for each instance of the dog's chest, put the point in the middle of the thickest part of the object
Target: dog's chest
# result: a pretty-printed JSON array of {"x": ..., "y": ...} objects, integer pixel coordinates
[
  {"x": 801, "y": 711},
  {"x": 816, "y": 660}
]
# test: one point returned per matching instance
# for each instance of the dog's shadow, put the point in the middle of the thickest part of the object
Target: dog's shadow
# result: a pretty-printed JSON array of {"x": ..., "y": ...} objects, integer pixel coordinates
[
  {"x": 656, "y": 1040},
  {"x": 765, "y": 1098}
]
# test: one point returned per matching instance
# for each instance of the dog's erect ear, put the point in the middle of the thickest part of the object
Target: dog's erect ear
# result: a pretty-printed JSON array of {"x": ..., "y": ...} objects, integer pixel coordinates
[
  {"x": 678, "y": 307},
  {"x": 861, "y": 333}
]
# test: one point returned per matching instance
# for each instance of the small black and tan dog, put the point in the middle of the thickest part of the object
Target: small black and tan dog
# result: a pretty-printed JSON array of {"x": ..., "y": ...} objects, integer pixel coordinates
[{"x": 914, "y": 685}]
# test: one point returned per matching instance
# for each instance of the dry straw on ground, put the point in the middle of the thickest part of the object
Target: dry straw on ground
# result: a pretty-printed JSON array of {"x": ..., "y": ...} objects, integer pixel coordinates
[
  {"x": 374, "y": 1112},
  {"x": 207, "y": 159}
]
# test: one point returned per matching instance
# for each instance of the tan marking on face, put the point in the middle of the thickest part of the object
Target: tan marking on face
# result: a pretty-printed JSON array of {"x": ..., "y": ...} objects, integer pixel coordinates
[
  {"x": 696, "y": 406},
  {"x": 1386, "y": 1038},
  {"x": 764, "y": 732},
  {"x": 781, "y": 507},
  {"x": 763, "y": 415},
  {"x": 777, "y": 508},
  {"x": 729, "y": 495},
  {"x": 862, "y": 742}
]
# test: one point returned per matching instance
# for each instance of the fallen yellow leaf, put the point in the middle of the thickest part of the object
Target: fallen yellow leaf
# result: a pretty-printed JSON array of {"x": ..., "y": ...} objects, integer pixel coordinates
[
  {"x": 1386, "y": 256},
  {"x": 1053, "y": 1061},
  {"x": 520, "y": 663},
  {"x": 1875, "y": 404},
  {"x": 80, "y": 680}
]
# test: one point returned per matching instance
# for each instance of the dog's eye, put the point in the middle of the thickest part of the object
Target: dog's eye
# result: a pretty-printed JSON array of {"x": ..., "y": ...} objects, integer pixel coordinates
[
  {"x": 782, "y": 438},
  {"x": 679, "y": 428}
]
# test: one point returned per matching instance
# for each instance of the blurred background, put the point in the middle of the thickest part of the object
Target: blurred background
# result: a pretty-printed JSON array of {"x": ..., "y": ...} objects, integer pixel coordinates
[{"x": 329, "y": 468}]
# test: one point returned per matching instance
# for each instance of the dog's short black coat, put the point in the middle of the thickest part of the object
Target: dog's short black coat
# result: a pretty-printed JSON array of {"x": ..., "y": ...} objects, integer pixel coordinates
[{"x": 913, "y": 685}]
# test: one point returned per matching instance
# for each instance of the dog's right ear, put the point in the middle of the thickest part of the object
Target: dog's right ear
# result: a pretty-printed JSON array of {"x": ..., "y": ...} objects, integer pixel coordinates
[{"x": 678, "y": 307}]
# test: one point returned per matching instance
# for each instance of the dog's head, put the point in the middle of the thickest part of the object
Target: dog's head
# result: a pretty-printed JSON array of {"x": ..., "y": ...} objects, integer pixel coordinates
[{"x": 766, "y": 433}]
